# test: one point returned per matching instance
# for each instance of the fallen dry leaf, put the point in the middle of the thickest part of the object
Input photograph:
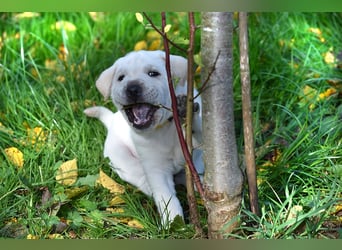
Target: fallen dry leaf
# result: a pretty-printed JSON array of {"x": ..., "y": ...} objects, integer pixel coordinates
[
  {"x": 75, "y": 191},
  {"x": 329, "y": 58},
  {"x": 135, "y": 224},
  {"x": 26, "y": 15},
  {"x": 36, "y": 135},
  {"x": 67, "y": 173},
  {"x": 318, "y": 33},
  {"x": 329, "y": 92},
  {"x": 117, "y": 200},
  {"x": 6, "y": 130},
  {"x": 15, "y": 156},
  {"x": 110, "y": 184},
  {"x": 55, "y": 236},
  {"x": 97, "y": 16},
  {"x": 309, "y": 96},
  {"x": 294, "y": 212},
  {"x": 64, "y": 25},
  {"x": 32, "y": 237}
]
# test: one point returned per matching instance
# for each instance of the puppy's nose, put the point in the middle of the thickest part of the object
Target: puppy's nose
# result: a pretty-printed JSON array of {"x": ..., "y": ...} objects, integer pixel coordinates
[{"x": 134, "y": 91}]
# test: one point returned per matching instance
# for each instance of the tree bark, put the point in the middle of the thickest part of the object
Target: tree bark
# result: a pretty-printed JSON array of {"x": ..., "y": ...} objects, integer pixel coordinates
[{"x": 223, "y": 178}]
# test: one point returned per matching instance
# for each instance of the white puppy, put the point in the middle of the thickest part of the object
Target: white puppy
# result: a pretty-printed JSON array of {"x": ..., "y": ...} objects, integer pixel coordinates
[{"x": 142, "y": 142}]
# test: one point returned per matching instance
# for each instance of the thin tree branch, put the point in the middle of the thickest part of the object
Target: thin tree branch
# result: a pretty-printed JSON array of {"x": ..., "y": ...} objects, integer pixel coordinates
[
  {"x": 188, "y": 130},
  {"x": 247, "y": 114},
  {"x": 161, "y": 32},
  {"x": 204, "y": 86},
  {"x": 182, "y": 141}
]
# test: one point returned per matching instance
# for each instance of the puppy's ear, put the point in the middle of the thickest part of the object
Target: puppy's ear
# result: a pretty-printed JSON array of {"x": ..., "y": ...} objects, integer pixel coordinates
[
  {"x": 104, "y": 82},
  {"x": 179, "y": 69}
]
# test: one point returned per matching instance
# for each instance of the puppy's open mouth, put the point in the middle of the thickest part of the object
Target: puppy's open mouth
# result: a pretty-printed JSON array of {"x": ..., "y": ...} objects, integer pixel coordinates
[{"x": 140, "y": 114}]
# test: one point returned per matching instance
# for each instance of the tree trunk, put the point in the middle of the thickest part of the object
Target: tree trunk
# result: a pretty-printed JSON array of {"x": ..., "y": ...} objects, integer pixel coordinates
[{"x": 223, "y": 179}]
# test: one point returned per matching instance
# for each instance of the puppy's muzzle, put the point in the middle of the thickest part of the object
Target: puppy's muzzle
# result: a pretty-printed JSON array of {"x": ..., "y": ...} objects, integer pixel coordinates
[
  {"x": 138, "y": 112},
  {"x": 134, "y": 91}
]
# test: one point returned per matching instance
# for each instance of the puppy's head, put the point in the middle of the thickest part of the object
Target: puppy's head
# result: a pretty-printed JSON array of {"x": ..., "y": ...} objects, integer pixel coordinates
[{"x": 138, "y": 86}]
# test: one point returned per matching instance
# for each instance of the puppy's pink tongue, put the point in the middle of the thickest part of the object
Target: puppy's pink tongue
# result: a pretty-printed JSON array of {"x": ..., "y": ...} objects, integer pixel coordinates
[{"x": 141, "y": 114}]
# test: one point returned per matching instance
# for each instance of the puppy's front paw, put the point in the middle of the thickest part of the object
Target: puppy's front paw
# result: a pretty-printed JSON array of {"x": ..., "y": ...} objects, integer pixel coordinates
[{"x": 181, "y": 106}]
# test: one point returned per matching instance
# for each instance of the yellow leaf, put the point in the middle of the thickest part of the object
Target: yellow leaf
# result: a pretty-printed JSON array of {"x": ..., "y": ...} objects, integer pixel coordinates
[
  {"x": 329, "y": 58},
  {"x": 135, "y": 224},
  {"x": 309, "y": 96},
  {"x": 67, "y": 173},
  {"x": 316, "y": 31},
  {"x": 15, "y": 156},
  {"x": 309, "y": 92},
  {"x": 294, "y": 211},
  {"x": 167, "y": 28},
  {"x": 115, "y": 210},
  {"x": 110, "y": 184},
  {"x": 5, "y": 130},
  {"x": 73, "y": 192},
  {"x": 141, "y": 45},
  {"x": 337, "y": 208},
  {"x": 156, "y": 44},
  {"x": 60, "y": 79},
  {"x": 55, "y": 236},
  {"x": 281, "y": 43},
  {"x": 97, "y": 16},
  {"x": 139, "y": 17},
  {"x": 26, "y": 15},
  {"x": 51, "y": 64},
  {"x": 117, "y": 200},
  {"x": 32, "y": 237},
  {"x": 152, "y": 34},
  {"x": 36, "y": 134},
  {"x": 326, "y": 94},
  {"x": 65, "y": 25},
  {"x": 63, "y": 52}
]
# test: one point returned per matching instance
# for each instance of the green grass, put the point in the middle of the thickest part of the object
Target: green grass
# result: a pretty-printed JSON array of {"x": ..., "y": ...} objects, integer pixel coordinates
[{"x": 41, "y": 89}]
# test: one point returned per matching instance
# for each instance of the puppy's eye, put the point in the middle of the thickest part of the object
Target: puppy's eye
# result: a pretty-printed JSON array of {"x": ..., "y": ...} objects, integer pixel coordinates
[
  {"x": 121, "y": 77},
  {"x": 153, "y": 73}
]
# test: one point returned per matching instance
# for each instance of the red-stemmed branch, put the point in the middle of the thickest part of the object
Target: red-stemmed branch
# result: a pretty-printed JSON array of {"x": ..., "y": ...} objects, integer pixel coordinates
[{"x": 182, "y": 141}]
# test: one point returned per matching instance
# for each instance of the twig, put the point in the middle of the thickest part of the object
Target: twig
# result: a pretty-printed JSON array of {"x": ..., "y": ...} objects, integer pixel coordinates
[
  {"x": 161, "y": 32},
  {"x": 203, "y": 87},
  {"x": 247, "y": 114}
]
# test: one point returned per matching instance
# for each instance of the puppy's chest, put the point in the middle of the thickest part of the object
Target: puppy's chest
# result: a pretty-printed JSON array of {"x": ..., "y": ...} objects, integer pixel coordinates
[{"x": 161, "y": 144}]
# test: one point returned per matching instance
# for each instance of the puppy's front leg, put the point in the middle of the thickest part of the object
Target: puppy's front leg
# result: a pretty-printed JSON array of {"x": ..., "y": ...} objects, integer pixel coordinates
[{"x": 164, "y": 193}]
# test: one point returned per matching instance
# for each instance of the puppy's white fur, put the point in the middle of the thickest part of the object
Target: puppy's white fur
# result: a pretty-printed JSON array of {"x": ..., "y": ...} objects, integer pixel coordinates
[{"x": 147, "y": 157}]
